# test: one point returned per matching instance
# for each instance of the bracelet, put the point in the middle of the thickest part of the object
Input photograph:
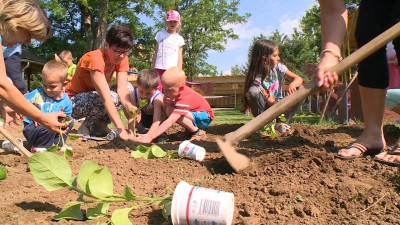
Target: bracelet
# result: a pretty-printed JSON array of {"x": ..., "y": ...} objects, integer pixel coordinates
[{"x": 335, "y": 53}]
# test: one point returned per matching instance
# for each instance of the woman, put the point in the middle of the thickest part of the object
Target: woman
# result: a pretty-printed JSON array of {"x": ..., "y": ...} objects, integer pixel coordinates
[{"x": 89, "y": 89}]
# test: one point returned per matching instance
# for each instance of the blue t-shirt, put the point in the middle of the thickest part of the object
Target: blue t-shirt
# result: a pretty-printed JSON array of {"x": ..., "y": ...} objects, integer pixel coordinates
[{"x": 46, "y": 104}]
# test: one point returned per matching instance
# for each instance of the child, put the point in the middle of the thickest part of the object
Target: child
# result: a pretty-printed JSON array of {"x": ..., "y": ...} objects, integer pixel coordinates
[
  {"x": 20, "y": 22},
  {"x": 183, "y": 106},
  {"x": 66, "y": 56},
  {"x": 169, "y": 46},
  {"x": 265, "y": 79},
  {"x": 50, "y": 98},
  {"x": 151, "y": 114}
]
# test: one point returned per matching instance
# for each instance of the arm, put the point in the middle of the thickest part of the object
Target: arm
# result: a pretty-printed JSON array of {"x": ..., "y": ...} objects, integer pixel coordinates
[
  {"x": 147, "y": 138},
  {"x": 102, "y": 88},
  {"x": 157, "y": 114},
  {"x": 123, "y": 93},
  {"x": 15, "y": 100},
  {"x": 333, "y": 28},
  {"x": 297, "y": 81},
  {"x": 180, "y": 59}
]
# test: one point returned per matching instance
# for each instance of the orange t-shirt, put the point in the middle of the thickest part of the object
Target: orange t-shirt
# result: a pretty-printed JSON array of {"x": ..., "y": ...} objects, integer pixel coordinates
[{"x": 91, "y": 61}]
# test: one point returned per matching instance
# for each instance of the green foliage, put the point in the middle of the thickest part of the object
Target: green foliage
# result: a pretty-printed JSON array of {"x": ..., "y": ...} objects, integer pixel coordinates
[
  {"x": 94, "y": 185},
  {"x": 3, "y": 173},
  {"x": 269, "y": 128},
  {"x": 136, "y": 112},
  {"x": 152, "y": 152}
]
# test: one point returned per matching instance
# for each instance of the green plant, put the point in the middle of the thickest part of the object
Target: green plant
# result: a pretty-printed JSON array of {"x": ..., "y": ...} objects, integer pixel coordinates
[
  {"x": 136, "y": 112},
  {"x": 95, "y": 188},
  {"x": 66, "y": 150},
  {"x": 3, "y": 173},
  {"x": 154, "y": 151},
  {"x": 270, "y": 127}
]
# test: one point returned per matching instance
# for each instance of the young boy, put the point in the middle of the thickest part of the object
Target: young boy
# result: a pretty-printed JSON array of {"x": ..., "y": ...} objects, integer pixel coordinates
[
  {"x": 183, "y": 106},
  {"x": 151, "y": 114},
  {"x": 50, "y": 98},
  {"x": 66, "y": 56}
]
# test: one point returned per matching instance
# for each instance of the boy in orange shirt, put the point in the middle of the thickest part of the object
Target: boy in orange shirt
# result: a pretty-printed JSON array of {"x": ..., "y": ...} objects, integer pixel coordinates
[{"x": 183, "y": 106}]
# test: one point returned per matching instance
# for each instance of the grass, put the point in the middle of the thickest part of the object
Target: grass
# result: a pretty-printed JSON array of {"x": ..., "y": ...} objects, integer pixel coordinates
[{"x": 234, "y": 116}]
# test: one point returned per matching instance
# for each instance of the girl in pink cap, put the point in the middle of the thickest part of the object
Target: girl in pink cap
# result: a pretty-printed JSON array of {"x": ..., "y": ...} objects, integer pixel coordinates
[{"x": 169, "y": 46}]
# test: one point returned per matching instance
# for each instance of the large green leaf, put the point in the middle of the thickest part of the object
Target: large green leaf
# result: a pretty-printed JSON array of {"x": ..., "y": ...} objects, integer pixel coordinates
[
  {"x": 87, "y": 169},
  {"x": 100, "y": 183},
  {"x": 157, "y": 151},
  {"x": 71, "y": 210},
  {"x": 121, "y": 217},
  {"x": 99, "y": 210},
  {"x": 50, "y": 170}
]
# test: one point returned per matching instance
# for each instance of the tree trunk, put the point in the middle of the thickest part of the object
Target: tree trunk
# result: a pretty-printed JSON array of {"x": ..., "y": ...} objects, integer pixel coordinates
[{"x": 102, "y": 25}]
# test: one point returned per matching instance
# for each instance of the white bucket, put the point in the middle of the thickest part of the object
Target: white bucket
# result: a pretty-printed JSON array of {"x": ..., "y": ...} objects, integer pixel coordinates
[
  {"x": 192, "y": 205},
  {"x": 191, "y": 151},
  {"x": 8, "y": 146}
]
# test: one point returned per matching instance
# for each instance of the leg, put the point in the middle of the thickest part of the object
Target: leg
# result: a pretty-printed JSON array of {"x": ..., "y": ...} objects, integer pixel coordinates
[
  {"x": 38, "y": 136},
  {"x": 256, "y": 100}
]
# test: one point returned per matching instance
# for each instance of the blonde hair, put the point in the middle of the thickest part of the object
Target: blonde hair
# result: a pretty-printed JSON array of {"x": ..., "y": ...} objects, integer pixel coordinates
[
  {"x": 24, "y": 14},
  {"x": 66, "y": 55},
  {"x": 55, "y": 68}
]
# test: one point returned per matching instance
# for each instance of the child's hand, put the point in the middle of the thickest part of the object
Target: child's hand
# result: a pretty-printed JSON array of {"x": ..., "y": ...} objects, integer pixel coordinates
[
  {"x": 143, "y": 138},
  {"x": 291, "y": 89}
]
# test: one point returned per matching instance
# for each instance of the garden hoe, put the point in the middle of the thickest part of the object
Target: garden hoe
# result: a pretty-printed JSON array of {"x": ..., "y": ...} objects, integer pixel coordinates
[
  {"x": 227, "y": 143},
  {"x": 14, "y": 141}
]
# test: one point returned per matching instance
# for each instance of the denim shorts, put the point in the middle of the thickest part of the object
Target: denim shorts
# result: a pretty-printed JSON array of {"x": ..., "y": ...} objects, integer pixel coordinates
[{"x": 201, "y": 119}]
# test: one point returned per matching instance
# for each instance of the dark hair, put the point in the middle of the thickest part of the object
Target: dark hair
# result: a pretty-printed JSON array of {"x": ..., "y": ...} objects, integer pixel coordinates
[
  {"x": 260, "y": 53},
  {"x": 120, "y": 36},
  {"x": 148, "y": 78}
]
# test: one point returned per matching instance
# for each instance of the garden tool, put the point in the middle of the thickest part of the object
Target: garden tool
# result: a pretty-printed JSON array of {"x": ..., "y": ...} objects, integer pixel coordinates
[
  {"x": 228, "y": 142},
  {"x": 16, "y": 143}
]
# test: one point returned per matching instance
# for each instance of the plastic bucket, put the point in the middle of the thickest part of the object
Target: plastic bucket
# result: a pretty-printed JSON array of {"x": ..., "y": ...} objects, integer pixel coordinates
[
  {"x": 192, "y": 205},
  {"x": 191, "y": 151}
]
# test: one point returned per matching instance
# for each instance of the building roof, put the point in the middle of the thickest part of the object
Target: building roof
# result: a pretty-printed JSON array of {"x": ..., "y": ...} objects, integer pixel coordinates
[{"x": 31, "y": 57}]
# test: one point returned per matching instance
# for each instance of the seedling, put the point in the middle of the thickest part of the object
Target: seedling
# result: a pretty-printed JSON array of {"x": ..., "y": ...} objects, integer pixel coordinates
[
  {"x": 270, "y": 127},
  {"x": 66, "y": 150},
  {"x": 154, "y": 151},
  {"x": 136, "y": 112},
  {"x": 94, "y": 186}
]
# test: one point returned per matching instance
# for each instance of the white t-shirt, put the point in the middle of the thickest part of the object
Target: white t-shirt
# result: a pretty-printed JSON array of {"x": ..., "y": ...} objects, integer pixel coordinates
[{"x": 168, "y": 49}]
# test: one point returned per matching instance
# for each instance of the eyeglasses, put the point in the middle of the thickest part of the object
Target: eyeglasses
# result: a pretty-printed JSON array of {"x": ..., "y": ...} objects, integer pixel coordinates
[{"x": 121, "y": 52}]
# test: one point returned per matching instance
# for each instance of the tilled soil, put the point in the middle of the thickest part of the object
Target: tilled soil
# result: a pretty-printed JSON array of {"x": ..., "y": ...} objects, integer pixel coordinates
[{"x": 295, "y": 179}]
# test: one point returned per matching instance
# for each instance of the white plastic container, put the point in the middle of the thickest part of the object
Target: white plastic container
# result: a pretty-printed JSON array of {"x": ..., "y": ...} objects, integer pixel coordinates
[
  {"x": 197, "y": 205},
  {"x": 8, "y": 146},
  {"x": 191, "y": 151}
]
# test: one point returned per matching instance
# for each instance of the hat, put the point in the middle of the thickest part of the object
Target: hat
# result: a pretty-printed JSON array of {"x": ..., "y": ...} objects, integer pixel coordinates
[{"x": 173, "y": 15}]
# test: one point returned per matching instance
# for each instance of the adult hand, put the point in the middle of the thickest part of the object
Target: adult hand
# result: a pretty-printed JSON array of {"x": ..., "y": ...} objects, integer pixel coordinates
[
  {"x": 51, "y": 123},
  {"x": 125, "y": 135},
  {"x": 325, "y": 79}
]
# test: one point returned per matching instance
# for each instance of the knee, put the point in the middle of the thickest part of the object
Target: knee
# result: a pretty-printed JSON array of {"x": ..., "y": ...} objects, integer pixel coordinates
[{"x": 253, "y": 92}]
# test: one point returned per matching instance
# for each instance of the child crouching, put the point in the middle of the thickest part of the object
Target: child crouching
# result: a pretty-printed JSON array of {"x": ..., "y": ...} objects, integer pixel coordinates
[
  {"x": 51, "y": 97},
  {"x": 183, "y": 106}
]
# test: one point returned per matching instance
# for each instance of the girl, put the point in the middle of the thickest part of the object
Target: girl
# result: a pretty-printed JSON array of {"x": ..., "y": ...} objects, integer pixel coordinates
[
  {"x": 265, "y": 79},
  {"x": 20, "y": 21},
  {"x": 169, "y": 46}
]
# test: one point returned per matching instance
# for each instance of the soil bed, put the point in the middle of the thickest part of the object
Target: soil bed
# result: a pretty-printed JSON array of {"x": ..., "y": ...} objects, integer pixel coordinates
[{"x": 295, "y": 180}]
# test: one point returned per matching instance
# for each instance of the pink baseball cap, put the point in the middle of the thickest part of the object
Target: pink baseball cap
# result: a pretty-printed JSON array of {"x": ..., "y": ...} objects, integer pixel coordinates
[{"x": 173, "y": 15}]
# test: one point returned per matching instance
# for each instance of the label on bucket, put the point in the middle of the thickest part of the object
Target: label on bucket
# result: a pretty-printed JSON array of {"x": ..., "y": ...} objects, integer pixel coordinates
[{"x": 193, "y": 205}]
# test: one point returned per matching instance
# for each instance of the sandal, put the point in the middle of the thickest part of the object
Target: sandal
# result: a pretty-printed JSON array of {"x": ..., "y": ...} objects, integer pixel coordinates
[
  {"x": 364, "y": 151},
  {"x": 395, "y": 150},
  {"x": 389, "y": 160},
  {"x": 282, "y": 127}
]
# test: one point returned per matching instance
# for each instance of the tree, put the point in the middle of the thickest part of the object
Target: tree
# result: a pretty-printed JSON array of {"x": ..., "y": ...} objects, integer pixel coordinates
[
  {"x": 238, "y": 70},
  {"x": 81, "y": 26}
]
